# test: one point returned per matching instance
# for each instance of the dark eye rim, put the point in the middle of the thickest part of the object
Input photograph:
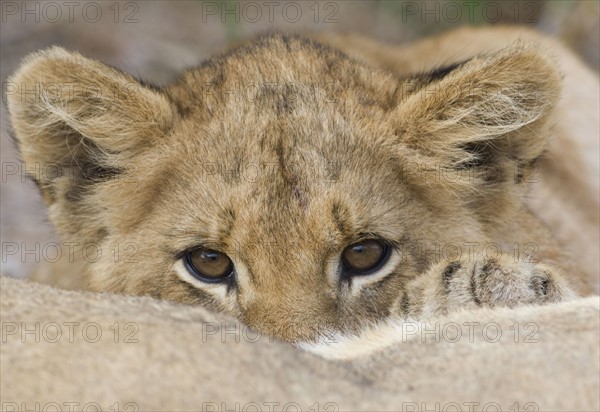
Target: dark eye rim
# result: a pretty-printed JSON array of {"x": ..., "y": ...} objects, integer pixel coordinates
[
  {"x": 187, "y": 262},
  {"x": 385, "y": 256}
]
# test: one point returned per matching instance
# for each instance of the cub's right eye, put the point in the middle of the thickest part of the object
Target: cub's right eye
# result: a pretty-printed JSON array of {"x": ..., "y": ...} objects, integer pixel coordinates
[{"x": 209, "y": 265}]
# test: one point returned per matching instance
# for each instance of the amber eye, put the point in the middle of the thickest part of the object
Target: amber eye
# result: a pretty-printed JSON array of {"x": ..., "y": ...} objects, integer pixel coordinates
[
  {"x": 209, "y": 265},
  {"x": 365, "y": 257}
]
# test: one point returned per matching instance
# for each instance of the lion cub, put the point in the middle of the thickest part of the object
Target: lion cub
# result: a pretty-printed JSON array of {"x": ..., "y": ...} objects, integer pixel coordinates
[{"x": 299, "y": 189}]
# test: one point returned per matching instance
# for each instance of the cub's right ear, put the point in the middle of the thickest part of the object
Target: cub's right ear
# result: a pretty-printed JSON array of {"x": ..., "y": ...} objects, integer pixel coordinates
[{"x": 81, "y": 119}]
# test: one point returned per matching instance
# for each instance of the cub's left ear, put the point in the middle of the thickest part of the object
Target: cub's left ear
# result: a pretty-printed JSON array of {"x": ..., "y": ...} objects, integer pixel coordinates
[{"x": 491, "y": 111}]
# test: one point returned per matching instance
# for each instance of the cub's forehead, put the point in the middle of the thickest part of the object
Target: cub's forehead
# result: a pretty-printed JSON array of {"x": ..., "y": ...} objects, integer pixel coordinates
[
  {"x": 288, "y": 167},
  {"x": 284, "y": 172},
  {"x": 282, "y": 74},
  {"x": 298, "y": 145},
  {"x": 280, "y": 125},
  {"x": 285, "y": 132},
  {"x": 286, "y": 100}
]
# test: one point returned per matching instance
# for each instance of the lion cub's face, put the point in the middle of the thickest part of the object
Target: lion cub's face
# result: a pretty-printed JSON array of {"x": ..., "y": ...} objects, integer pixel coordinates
[
  {"x": 287, "y": 219},
  {"x": 283, "y": 183}
]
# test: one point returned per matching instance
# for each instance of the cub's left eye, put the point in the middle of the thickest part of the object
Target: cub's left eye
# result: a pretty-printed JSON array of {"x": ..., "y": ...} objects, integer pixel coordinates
[
  {"x": 364, "y": 258},
  {"x": 209, "y": 265}
]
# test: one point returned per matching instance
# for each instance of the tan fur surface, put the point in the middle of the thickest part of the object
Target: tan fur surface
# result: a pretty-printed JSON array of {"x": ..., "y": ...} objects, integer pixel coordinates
[
  {"x": 341, "y": 150},
  {"x": 180, "y": 362}
]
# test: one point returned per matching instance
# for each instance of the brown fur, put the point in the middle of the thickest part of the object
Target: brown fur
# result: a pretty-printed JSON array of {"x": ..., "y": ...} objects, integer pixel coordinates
[{"x": 282, "y": 177}]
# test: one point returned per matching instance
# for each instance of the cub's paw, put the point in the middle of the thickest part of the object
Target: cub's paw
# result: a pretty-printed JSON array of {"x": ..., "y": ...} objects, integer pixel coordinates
[
  {"x": 495, "y": 282},
  {"x": 489, "y": 282}
]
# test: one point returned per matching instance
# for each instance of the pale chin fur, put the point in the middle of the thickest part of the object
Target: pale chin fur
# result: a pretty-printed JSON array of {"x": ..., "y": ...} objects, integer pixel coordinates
[{"x": 341, "y": 346}]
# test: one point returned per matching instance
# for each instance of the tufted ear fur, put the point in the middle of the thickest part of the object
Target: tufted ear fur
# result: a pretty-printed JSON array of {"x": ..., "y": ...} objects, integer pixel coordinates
[
  {"x": 484, "y": 121},
  {"x": 78, "y": 122}
]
